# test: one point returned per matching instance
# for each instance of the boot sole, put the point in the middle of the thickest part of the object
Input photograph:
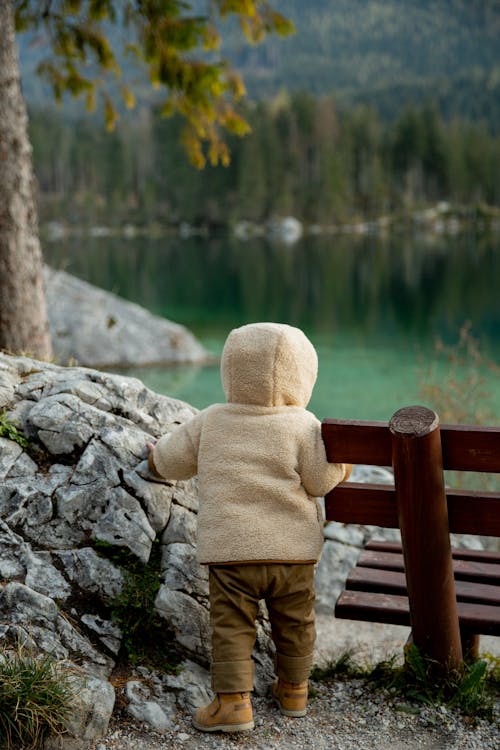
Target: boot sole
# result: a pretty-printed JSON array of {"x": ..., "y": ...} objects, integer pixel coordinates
[
  {"x": 294, "y": 713},
  {"x": 224, "y": 727}
]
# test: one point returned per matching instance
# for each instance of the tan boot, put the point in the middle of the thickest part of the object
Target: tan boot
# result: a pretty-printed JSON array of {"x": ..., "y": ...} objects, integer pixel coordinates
[
  {"x": 291, "y": 697},
  {"x": 228, "y": 712}
]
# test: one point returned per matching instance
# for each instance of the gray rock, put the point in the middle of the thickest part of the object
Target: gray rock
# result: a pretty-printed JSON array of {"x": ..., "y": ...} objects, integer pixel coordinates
[
  {"x": 186, "y": 494},
  {"x": 20, "y": 605},
  {"x": 153, "y": 714},
  {"x": 124, "y": 523},
  {"x": 188, "y": 618},
  {"x": 87, "y": 433},
  {"x": 42, "y": 576},
  {"x": 109, "y": 634},
  {"x": 11, "y": 554},
  {"x": 375, "y": 474},
  {"x": 336, "y": 562},
  {"x": 156, "y": 497},
  {"x": 192, "y": 684},
  {"x": 144, "y": 706},
  {"x": 33, "y": 508},
  {"x": 56, "y": 534},
  {"x": 181, "y": 571},
  {"x": 96, "y": 464},
  {"x": 92, "y": 711},
  {"x": 8, "y": 382},
  {"x": 63, "y": 424},
  {"x": 31, "y": 619},
  {"x": 9, "y": 453},
  {"x": 82, "y": 651},
  {"x": 98, "y": 328},
  {"x": 181, "y": 526},
  {"x": 344, "y": 533},
  {"x": 92, "y": 574}
]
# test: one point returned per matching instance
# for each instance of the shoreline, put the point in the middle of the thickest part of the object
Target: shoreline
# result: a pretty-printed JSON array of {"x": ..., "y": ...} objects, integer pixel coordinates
[{"x": 441, "y": 219}]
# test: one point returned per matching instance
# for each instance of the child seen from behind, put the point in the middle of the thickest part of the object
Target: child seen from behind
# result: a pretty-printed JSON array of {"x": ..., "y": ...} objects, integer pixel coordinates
[{"x": 261, "y": 464}]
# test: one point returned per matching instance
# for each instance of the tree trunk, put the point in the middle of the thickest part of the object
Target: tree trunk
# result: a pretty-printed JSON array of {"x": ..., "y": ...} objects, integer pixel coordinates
[{"x": 23, "y": 311}]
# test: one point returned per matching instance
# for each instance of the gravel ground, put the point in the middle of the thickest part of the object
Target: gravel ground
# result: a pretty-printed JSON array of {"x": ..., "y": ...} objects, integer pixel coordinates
[{"x": 342, "y": 714}]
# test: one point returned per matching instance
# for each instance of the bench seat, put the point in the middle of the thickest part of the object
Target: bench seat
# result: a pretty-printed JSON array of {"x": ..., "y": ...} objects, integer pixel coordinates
[{"x": 376, "y": 588}]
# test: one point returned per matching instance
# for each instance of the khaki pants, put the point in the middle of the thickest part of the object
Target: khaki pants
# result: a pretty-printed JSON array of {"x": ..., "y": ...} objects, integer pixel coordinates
[{"x": 235, "y": 591}]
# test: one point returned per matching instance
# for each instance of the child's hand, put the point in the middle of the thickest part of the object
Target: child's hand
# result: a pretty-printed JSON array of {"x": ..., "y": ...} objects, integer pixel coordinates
[
  {"x": 151, "y": 464},
  {"x": 348, "y": 470},
  {"x": 147, "y": 469}
]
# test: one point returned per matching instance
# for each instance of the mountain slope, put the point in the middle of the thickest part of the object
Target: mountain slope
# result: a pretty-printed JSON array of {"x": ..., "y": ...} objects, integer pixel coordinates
[{"x": 382, "y": 52}]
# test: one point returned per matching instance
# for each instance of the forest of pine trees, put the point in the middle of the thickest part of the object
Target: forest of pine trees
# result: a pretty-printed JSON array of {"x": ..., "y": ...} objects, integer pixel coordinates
[{"x": 304, "y": 158}]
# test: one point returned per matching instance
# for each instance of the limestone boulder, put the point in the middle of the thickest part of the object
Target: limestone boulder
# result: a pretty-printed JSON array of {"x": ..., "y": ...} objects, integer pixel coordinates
[
  {"x": 76, "y": 511},
  {"x": 100, "y": 329}
]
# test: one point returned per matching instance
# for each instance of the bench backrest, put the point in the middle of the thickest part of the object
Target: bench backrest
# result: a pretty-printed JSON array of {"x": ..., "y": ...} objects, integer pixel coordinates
[{"x": 464, "y": 448}]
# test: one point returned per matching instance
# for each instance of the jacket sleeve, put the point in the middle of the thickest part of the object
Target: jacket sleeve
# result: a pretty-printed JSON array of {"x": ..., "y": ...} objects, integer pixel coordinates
[
  {"x": 317, "y": 474},
  {"x": 175, "y": 455}
]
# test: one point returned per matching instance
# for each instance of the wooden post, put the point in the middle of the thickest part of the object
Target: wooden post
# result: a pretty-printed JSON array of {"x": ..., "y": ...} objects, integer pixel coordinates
[
  {"x": 470, "y": 645},
  {"x": 423, "y": 520}
]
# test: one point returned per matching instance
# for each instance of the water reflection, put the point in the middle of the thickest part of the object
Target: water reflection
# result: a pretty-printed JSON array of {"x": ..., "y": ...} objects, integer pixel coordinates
[{"x": 397, "y": 287}]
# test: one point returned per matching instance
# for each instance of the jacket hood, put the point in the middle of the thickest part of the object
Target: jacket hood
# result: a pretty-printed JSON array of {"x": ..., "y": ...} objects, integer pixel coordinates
[{"x": 268, "y": 364}]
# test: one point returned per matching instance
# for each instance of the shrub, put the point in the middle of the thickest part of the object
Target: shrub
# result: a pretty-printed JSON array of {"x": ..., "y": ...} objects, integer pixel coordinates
[
  {"x": 36, "y": 697},
  {"x": 147, "y": 640}
]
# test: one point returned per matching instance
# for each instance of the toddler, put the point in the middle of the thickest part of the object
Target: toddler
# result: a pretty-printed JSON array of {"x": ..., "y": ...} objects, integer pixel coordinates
[{"x": 261, "y": 464}]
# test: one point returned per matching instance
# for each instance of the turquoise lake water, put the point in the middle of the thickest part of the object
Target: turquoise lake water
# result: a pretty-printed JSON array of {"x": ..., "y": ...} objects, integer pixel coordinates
[{"x": 374, "y": 307}]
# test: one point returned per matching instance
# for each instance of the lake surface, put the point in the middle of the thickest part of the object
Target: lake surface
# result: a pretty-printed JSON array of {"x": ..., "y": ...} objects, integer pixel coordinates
[{"x": 374, "y": 307}]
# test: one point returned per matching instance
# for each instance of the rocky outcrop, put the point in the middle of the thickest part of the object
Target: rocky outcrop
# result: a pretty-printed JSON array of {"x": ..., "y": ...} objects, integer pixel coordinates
[
  {"x": 93, "y": 327},
  {"x": 78, "y": 512}
]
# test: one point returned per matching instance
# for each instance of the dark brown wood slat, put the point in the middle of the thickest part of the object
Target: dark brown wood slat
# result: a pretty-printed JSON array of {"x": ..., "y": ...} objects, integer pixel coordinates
[
  {"x": 376, "y": 580},
  {"x": 381, "y": 546},
  {"x": 482, "y": 593},
  {"x": 381, "y": 560},
  {"x": 475, "y": 554},
  {"x": 368, "y": 504},
  {"x": 375, "y": 505},
  {"x": 386, "y": 608},
  {"x": 477, "y": 571},
  {"x": 471, "y": 448},
  {"x": 474, "y": 512},
  {"x": 459, "y": 553},
  {"x": 356, "y": 442},
  {"x": 482, "y": 619},
  {"x": 393, "y": 582},
  {"x": 465, "y": 447}
]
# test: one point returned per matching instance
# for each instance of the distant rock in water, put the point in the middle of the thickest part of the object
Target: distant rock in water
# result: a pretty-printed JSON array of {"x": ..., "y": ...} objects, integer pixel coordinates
[{"x": 99, "y": 329}]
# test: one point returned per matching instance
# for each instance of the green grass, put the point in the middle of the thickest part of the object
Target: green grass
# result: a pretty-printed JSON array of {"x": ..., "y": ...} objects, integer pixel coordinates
[
  {"x": 36, "y": 698},
  {"x": 10, "y": 431},
  {"x": 344, "y": 666},
  {"x": 470, "y": 688}
]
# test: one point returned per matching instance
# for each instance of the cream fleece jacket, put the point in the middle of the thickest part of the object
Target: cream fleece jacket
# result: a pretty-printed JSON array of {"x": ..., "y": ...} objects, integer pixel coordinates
[{"x": 260, "y": 458}]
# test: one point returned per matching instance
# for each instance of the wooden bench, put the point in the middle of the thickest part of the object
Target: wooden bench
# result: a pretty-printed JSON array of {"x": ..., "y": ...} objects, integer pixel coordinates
[{"x": 448, "y": 597}]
